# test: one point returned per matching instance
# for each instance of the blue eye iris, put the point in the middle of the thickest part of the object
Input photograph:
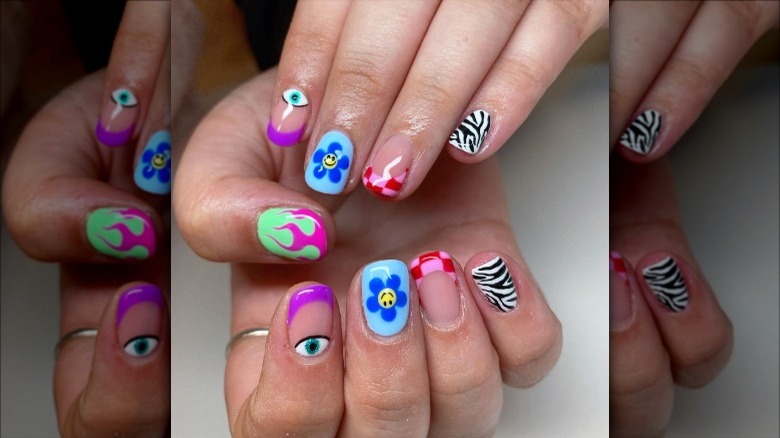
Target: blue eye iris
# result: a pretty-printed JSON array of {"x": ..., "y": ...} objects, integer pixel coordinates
[
  {"x": 312, "y": 346},
  {"x": 124, "y": 97},
  {"x": 141, "y": 345},
  {"x": 295, "y": 97}
]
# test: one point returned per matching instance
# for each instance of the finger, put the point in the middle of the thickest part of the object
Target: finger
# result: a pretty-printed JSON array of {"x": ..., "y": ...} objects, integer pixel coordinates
[
  {"x": 510, "y": 303},
  {"x": 641, "y": 392},
  {"x": 546, "y": 38},
  {"x": 465, "y": 379},
  {"x": 386, "y": 380},
  {"x": 136, "y": 56},
  {"x": 300, "y": 391},
  {"x": 125, "y": 370},
  {"x": 714, "y": 42},
  {"x": 228, "y": 206}
]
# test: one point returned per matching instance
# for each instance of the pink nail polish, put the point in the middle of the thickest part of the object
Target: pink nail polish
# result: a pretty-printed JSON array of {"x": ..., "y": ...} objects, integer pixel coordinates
[
  {"x": 117, "y": 118},
  {"x": 620, "y": 305},
  {"x": 310, "y": 319},
  {"x": 288, "y": 118},
  {"x": 387, "y": 172},
  {"x": 434, "y": 274},
  {"x": 139, "y": 319}
]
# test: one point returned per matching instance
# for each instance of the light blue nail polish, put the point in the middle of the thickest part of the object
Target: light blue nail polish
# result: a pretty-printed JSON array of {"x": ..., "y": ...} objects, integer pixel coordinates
[
  {"x": 153, "y": 171},
  {"x": 386, "y": 296},
  {"x": 328, "y": 169}
]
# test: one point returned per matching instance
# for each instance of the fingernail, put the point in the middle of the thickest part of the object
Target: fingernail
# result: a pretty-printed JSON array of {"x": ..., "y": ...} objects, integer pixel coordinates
[
  {"x": 642, "y": 132},
  {"x": 620, "y": 307},
  {"x": 385, "y": 287},
  {"x": 121, "y": 232},
  {"x": 496, "y": 283},
  {"x": 288, "y": 118},
  {"x": 434, "y": 274},
  {"x": 387, "y": 172},
  {"x": 328, "y": 169},
  {"x": 139, "y": 319},
  {"x": 117, "y": 118},
  {"x": 294, "y": 233},
  {"x": 310, "y": 319},
  {"x": 471, "y": 132},
  {"x": 667, "y": 283},
  {"x": 153, "y": 171}
]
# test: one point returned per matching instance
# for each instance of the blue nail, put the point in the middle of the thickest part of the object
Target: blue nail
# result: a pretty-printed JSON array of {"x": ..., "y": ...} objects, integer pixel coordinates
[
  {"x": 386, "y": 296},
  {"x": 153, "y": 171},
  {"x": 328, "y": 169}
]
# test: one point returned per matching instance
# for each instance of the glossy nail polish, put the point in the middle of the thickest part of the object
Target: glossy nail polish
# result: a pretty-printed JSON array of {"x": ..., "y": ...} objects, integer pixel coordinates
[
  {"x": 139, "y": 319},
  {"x": 385, "y": 290},
  {"x": 121, "y": 232},
  {"x": 620, "y": 301},
  {"x": 642, "y": 133},
  {"x": 666, "y": 281},
  {"x": 288, "y": 118},
  {"x": 496, "y": 283},
  {"x": 387, "y": 172},
  {"x": 153, "y": 171},
  {"x": 294, "y": 233},
  {"x": 437, "y": 283},
  {"x": 117, "y": 118},
  {"x": 471, "y": 132},
  {"x": 310, "y": 319},
  {"x": 328, "y": 169}
]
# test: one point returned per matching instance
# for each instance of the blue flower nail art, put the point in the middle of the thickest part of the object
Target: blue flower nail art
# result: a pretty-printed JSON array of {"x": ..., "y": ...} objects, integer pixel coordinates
[
  {"x": 153, "y": 172},
  {"x": 385, "y": 296},
  {"x": 328, "y": 169}
]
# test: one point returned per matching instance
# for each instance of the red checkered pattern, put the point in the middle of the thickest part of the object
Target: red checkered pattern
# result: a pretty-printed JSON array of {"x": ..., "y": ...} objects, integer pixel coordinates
[
  {"x": 431, "y": 262},
  {"x": 617, "y": 265},
  {"x": 384, "y": 186}
]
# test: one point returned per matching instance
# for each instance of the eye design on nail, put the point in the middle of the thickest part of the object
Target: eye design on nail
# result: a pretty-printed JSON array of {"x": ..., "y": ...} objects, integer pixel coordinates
[
  {"x": 386, "y": 297},
  {"x": 331, "y": 162},
  {"x": 312, "y": 346},
  {"x": 124, "y": 97},
  {"x": 295, "y": 97},
  {"x": 141, "y": 345}
]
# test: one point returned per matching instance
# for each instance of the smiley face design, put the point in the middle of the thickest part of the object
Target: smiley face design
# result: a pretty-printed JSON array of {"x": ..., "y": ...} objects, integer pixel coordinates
[
  {"x": 159, "y": 161},
  {"x": 330, "y": 161},
  {"x": 387, "y": 298}
]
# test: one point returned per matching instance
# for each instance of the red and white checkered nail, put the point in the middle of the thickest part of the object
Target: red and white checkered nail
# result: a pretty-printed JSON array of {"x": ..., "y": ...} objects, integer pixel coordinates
[
  {"x": 431, "y": 262},
  {"x": 387, "y": 172}
]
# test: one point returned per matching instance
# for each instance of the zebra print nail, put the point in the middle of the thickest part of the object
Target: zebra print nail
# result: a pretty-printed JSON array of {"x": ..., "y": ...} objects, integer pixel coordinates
[
  {"x": 667, "y": 283},
  {"x": 471, "y": 132},
  {"x": 495, "y": 282},
  {"x": 641, "y": 134}
]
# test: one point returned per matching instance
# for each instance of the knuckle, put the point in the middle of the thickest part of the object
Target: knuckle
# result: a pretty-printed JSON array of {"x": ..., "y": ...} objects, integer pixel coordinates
[
  {"x": 640, "y": 379},
  {"x": 747, "y": 13},
  {"x": 360, "y": 76},
  {"x": 532, "y": 76},
  {"x": 141, "y": 44},
  {"x": 707, "y": 349},
  {"x": 379, "y": 405},
  {"x": 310, "y": 45},
  {"x": 434, "y": 91},
  {"x": 575, "y": 13},
  {"x": 691, "y": 74}
]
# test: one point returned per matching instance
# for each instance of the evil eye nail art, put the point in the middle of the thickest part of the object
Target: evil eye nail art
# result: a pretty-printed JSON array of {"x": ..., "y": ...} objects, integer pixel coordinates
[
  {"x": 294, "y": 233},
  {"x": 288, "y": 118},
  {"x": 642, "y": 133},
  {"x": 328, "y": 169},
  {"x": 310, "y": 319},
  {"x": 138, "y": 319},
  {"x": 385, "y": 290},
  {"x": 471, "y": 132},
  {"x": 141, "y": 346},
  {"x": 121, "y": 232},
  {"x": 124, "y": 98},
  {"x": 117, "y": 118},
  {"x": 153, "y": 171}
]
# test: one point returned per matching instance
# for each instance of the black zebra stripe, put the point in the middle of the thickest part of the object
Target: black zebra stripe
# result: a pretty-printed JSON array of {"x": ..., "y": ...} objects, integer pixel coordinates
[
  {"x": 667, "y": 283},
  {"x": 495, "y": 281},
  {"x": 641, "y": 134},
  {"x": 470, "y": 134}
]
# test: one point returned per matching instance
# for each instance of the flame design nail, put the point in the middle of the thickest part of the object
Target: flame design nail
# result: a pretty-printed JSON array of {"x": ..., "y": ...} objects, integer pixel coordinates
[
  {"x": 294, "y": 233},
  {"x": 122, "y": 232}
]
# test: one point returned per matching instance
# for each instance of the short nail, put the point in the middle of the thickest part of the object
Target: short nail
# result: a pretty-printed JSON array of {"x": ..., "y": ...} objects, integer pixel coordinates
[
  {"x": 121, "y": 232},
  {"x": 434, "y": 274},
  {"x": 471, "y": 132},
  {"x": 117, "y": 118},
  {"x": 153, "y": 171},
  {"x": 328, "y": 169},
  {"x": 496, "y": 283},
  {"x": 666, "y": 281},
  {"x": 294, "y": 233},
  {"x": 387, "y": 172},
  {"x": 288, "y": 118},
  {"x": 385, "y": 287},
  {"x": 620, "y": 307},
  {"x": 139, "y": 319},
  {"x": 310, "y": 319},
  {"x": 642, "y": 133}
]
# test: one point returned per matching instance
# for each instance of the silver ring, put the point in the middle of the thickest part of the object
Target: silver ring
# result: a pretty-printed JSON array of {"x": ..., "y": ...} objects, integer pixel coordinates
[
  {"x": 257, "y": 331},
  {"x": 79, "y": 332}
]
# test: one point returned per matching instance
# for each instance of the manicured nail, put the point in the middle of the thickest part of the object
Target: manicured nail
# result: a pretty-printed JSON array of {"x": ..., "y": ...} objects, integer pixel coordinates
[
  {"x": 294, "y": 233},
  {"x": 386, "y": 296},
  {"x": 139, "y": 319},
  {"x": 434, "y": 273},
  {"x": 387, "y": 172},
  {"x": 641, "y": 134},
  {"x": 288, "y": 119},
  {"x": 496, "y": 283},
  {"x": 117, "y": 118},
  {"x": 328, "y": 169},
  {"x": 153, "y": 171},
  {"x": 471, "y": 132},
  {"x": 667, "y": 283},
  {"x": 121, "y": 232},
  {"x": 620, "y": 308},
  {"x": 310, "y": 319}
]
